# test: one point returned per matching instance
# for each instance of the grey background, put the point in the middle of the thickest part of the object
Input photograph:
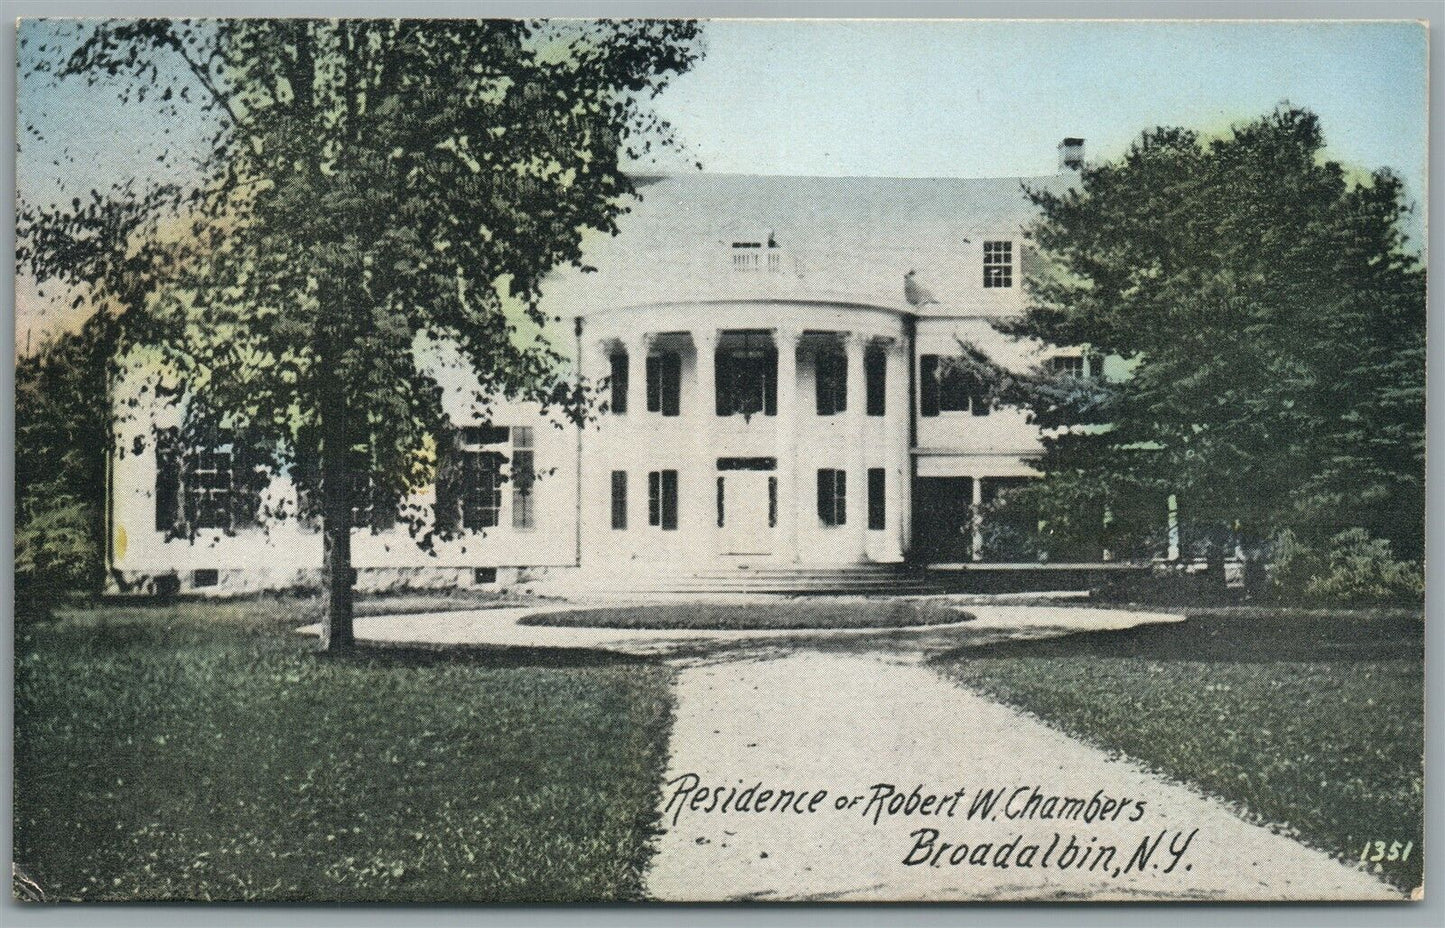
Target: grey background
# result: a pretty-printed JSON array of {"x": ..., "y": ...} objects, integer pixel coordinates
[{"x": 1431, "y": 912}]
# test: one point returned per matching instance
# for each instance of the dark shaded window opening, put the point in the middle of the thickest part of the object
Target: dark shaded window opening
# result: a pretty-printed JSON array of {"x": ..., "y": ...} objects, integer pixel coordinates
[
  {"x": 876, "y": 505},
  {"x": 875, "y": 368},
  {"x": 482, "y": 475},
  {"x": 618, "y": 383},
  {"x": 831, "y": 378},
  {"x": 662, "y": 499},
  {"x": 747, "y": 378},
  {"x": 664, "y": 383},
  {"x": 832, "y": 497},
  {"x": 619, "y": 500}
]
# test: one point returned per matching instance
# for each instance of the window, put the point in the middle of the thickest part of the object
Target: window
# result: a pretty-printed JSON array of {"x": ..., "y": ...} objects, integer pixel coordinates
[
  {"x": 664, "y": 383},
  {"x": 747, "y": 378},
  {"x": 946, "y": 387},
  {"x": 998, "y": 264},
  {"x": 619, "y": 500},
  {"x": 482, "y": 475},
  {"x": 524, "y": 476},
  {"x": 206, "y": 576},
  {"x": 832, "y": 496},
  {"x": 194, "y": 486},
  {"x": 876, "y": 511},
  {"x": 719, "y": 502},
  {"x": 830, "y": 368},
  {"x": 662, "y": 499},
  {"x": 618, "y": 382},
  {"x": 1067, "y": 366},
  {"x": 875, "y": 369},
  {"x": 772, "y": 502}
]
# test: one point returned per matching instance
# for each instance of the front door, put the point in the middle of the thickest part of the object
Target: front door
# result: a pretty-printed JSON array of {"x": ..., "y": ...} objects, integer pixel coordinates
[{"x": 746, "y": 501}]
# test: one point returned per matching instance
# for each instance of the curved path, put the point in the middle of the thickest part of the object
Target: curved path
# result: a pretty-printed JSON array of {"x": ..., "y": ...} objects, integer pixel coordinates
[{"x": 855, "y": 713}]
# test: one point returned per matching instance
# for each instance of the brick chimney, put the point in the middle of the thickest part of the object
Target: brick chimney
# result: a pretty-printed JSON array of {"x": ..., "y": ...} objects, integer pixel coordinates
[{"x": 1071, "y": 154}]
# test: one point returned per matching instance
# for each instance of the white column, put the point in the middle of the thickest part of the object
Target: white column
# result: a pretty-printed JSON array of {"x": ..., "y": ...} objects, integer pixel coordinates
[
  {"x": 857, "y": 501},
  {"x": 896, "y": 413},
  {"x": 786, "y": 441},
  {"x": 627, "y": 445},
  {"x": 700, "y": 408},
  {"x": 976, "y": 521}
]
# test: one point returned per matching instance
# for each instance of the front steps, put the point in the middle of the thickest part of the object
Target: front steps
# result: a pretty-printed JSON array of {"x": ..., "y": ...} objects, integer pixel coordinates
[{"x": 799, "y": 580}]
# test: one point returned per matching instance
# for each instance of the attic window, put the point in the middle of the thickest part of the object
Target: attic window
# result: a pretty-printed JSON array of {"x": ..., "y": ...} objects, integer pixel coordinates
[{"x": 998, "y": 264}]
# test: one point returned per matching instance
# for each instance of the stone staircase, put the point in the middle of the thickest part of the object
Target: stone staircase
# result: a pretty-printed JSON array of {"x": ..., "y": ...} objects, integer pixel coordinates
[{"x": 799, "y": 580}]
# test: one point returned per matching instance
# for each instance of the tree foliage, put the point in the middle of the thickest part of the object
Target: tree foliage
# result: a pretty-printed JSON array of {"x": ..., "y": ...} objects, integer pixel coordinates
[
  {"x": 1275, "y": 325},
  {"x": 375, "y": 186}
]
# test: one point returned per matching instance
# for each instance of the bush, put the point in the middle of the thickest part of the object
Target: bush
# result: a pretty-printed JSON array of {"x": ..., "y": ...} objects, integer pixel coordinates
[
  {"x": 55, "y": 545},
  {"x": 1353, "y": 569}
]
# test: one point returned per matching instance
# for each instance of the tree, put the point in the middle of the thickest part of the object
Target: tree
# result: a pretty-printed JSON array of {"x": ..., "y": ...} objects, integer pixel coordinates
[
  {"x": 374, "y": 185},
  {"x": 1275, "y": 324}
]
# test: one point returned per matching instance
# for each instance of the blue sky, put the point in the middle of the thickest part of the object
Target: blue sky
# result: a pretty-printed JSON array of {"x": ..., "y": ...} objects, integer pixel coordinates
[{"x": 899, "y": 98}]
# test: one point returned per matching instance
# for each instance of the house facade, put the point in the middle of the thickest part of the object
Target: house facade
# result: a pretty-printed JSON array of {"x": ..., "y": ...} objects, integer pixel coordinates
[{"x": 770, "y": 356}]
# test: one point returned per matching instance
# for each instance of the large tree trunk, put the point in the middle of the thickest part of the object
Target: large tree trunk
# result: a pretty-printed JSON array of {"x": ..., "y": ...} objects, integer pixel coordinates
[{"x": 336, "y": 573}]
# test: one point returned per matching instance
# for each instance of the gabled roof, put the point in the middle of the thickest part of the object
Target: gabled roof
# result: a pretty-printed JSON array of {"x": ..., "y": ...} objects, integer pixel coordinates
[{"x": 850, "y": 239}]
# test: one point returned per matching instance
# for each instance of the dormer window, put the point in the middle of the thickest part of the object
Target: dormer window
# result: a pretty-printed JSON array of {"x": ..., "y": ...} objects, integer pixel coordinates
[{"x": 998, "y": 264}]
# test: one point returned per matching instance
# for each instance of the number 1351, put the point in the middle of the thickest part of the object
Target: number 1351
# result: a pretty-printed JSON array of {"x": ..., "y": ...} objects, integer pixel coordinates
[{"x": 1376, "y": 851}]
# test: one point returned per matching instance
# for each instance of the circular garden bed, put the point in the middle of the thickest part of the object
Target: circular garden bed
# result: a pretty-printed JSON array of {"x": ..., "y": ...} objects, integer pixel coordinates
[{"x": 786, "y": 614}]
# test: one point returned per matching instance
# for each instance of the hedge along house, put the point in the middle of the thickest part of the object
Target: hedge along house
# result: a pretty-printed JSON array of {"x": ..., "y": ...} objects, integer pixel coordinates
[{"x": 775, "y": 396}]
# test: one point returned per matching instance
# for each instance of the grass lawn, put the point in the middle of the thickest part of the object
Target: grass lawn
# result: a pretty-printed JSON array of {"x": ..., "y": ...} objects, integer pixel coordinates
[
  {"x": 1310, "y": 719},
  {"x": 201, "y": 751},
  {"x": 782, "y": 614}
]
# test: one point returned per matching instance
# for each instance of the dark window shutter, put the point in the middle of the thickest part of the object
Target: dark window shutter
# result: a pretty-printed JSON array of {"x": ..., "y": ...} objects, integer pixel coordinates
[
  {"x": 654, "y": 383},
  {"x": 825, "y": 496},
  {"x": 840, "y": 497},
  {"x": 770, "y": 384},
  {"x": 671, "y": 384},
  {"x": 450, "y": 480},
  {"x": 720, "y": 502},
  {"x": 928, "y": 383},
  {"x": 876, "y": 364},
  {"x": 168, "y": 480},
  {"x": 619, "y": 499},
  {"x": 669, "y": 499},
  {"x": 619, "y": 383},
  {"x": 876, "y": 504},
  {"x": 654, "y": 498}
]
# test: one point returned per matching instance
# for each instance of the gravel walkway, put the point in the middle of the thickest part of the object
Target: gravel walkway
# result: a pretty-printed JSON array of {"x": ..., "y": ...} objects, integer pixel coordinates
[{"x": 846, "y": 723}]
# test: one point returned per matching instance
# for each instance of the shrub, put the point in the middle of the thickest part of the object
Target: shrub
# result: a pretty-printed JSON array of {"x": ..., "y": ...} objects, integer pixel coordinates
[{"x": 1352, "y": 569}]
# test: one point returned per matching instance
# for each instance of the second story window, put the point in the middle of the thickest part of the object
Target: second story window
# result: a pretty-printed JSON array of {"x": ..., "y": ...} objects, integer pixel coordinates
[
  {"x": 875, "y": 365},
  {"x": 831, "y": 381},
  {"x": 946, "y": 386},
  {"x": 664, "y": 383},
  {"x": 998, "y": 264},
  {"x": 747, "y": 377},
  {"x": 618, "y": 382}
]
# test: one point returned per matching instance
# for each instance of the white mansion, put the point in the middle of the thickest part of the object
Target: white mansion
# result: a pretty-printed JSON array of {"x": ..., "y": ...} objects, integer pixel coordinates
[{"x": 771, "y": 354}]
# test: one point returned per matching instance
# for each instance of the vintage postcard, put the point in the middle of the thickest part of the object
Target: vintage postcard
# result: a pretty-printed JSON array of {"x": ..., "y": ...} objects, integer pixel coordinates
[{"x": 671, "y": 460}]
